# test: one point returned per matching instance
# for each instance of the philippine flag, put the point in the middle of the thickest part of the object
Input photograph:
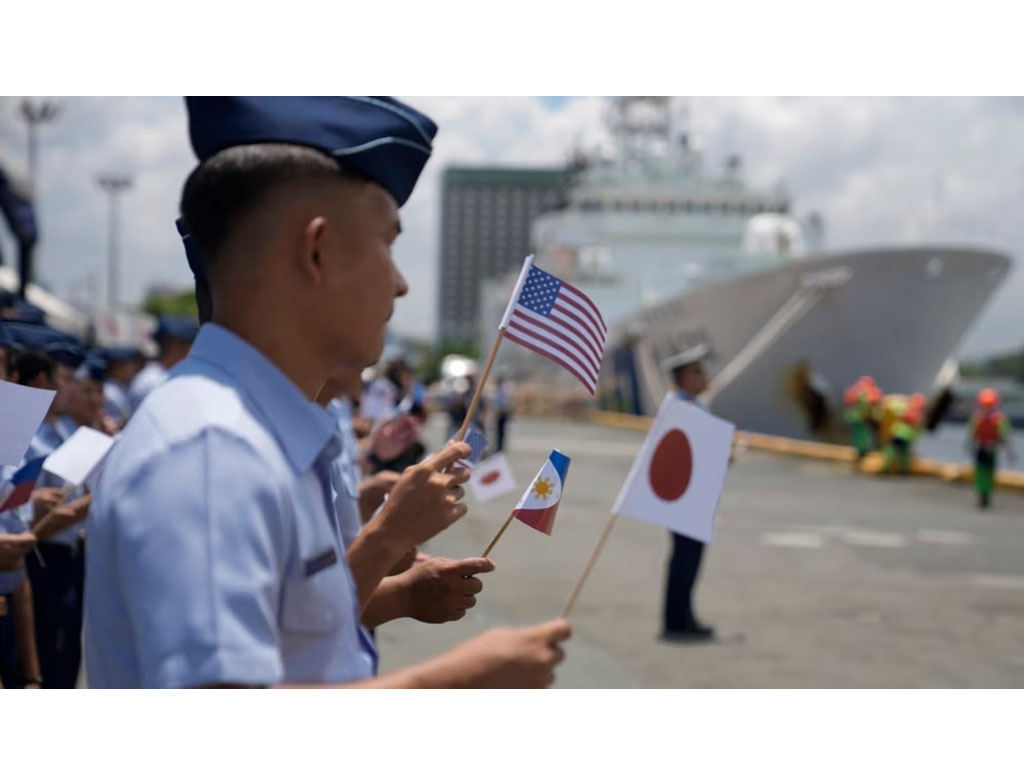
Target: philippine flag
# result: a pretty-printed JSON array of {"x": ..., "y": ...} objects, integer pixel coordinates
[
  {"x": 538, "y": 505},
  {"x": 18, "y": 489}
]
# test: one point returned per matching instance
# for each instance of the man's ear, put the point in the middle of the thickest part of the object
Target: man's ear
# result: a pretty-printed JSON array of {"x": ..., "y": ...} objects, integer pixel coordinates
[{"x": 314, "y": 240}]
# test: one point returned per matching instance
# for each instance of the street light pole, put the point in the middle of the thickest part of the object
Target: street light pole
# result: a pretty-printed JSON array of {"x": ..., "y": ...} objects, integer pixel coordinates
[
  {"x": 113, "y": 184},
  {"x": 36, "y": 113}
]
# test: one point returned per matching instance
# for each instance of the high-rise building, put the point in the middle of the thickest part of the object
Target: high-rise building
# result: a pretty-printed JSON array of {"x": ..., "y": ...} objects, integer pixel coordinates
[{"x": 486, "y": 213}]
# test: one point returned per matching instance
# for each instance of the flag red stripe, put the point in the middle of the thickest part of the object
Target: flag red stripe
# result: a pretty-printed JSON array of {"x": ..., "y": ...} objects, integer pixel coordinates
[
  {"x": 561, "y": 348},
  {"x": 553, "y": 357},
  {"x": 570, "y": 305},
  {"x": 575, "y": 335},
  {"x": 576, "y": 330},
  {"x": 566, "y": 311},
  {"x": 19, "y": 495},
  {"x": 593, "y": 307}
]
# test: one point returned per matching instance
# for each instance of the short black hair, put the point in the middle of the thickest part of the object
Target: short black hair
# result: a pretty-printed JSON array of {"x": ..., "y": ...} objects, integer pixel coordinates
[
  {"x": 231, "y": 183},
  {"x": 30, "y": 364}
]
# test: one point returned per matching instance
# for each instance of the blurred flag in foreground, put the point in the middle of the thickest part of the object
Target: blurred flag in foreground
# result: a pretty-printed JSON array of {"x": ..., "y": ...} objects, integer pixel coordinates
[
  {"x": 492, "y": 477},
  {"x": 477, "y": 443},
  {"x": 550, "y": 317},
  {"x": 18, "y": 489},
  {"x": 677, "y": 477},
  {"x": 538, "y": 505}
]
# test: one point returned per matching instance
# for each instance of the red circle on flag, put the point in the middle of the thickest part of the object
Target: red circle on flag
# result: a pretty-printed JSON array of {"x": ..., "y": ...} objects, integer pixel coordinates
[
  {"x": 490, "y": 477},
  {"x": 671, "y": 466}
]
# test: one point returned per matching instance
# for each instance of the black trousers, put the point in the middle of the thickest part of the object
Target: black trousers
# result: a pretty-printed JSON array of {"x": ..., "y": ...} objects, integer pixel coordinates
[
  {"x": 683, "y": 567},
  {"x": 502, "y": 422},
  {"x": 58, "y": 592},
  {"x": 10, "y": 675}
]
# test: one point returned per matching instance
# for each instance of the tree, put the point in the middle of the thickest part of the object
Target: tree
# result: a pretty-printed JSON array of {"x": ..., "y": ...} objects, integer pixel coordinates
[{"x": 181, "y": 303}]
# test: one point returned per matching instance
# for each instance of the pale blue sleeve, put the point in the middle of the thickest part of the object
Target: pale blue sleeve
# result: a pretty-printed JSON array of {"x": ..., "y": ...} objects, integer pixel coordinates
[{"x": 200, "y": 548}]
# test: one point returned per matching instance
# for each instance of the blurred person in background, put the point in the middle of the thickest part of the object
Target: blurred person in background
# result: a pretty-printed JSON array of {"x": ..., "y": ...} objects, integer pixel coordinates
[
  {"x": 989, "y": 430},
  {"x": 503, "y": 410},
  {"x": 173, "y": 336},
  {"x": 123, "y": 365}
]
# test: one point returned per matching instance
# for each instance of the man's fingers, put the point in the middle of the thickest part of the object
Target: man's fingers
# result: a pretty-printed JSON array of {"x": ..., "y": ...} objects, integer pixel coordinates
[
  {"x": 472, "y": 566},
  {"x": 466, "y": 602},
  {"x": 471, "y": 586},
  {"x": 458, "y": 476},
  {"x": 552, "y": 632},
  {"x": 447, "y": 455},
  {"x": 458, "y": 511},
  {"x": 456, "y": 493}
]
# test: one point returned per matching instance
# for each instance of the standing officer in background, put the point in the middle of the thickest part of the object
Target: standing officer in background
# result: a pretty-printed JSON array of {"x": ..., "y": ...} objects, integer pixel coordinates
[
  {"x": 173, "y": 336},
  {"x": 58, "y": 576},
  {"x": 215, "y": 556},
  {"x": 680, "y": 623},
  {"x": 123, "y": 363}
]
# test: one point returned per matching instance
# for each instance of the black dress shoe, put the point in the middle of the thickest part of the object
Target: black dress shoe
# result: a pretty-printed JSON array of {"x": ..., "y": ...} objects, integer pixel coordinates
[{"x": 694, "y": 634}]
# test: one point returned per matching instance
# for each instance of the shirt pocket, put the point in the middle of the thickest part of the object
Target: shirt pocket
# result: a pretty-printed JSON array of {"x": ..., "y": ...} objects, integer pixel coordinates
[{"x": 317, "y": 603}]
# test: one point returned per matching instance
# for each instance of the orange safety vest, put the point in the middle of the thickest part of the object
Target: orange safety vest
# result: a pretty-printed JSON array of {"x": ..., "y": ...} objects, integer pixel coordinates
[{"x": 988, "y": 428}]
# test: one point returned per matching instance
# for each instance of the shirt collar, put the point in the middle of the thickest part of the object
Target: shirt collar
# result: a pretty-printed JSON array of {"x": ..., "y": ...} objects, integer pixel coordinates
[{"x": 302, "y": 428}]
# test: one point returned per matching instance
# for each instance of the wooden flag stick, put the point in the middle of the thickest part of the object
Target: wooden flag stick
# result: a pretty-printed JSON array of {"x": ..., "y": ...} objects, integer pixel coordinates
[
  {"x": 590, "y": 565},
  {"x": 471, "y": 411},
  {"x": 498, "y": 536}
]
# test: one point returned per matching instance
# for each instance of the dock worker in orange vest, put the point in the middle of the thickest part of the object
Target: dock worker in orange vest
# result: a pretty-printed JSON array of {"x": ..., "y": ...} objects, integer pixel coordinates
[{"x": 989, "y": 429}]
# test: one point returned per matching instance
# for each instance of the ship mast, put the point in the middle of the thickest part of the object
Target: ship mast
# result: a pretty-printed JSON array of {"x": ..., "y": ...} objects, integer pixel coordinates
[{"x": 642, "y": 127}]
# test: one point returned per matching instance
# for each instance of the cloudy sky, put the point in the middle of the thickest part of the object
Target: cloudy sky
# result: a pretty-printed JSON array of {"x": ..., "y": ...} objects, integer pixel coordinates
[{"x": 882, "y": 171}]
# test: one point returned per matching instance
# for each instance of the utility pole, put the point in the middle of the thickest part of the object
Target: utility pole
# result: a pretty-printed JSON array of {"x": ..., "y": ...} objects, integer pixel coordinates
[{"x": 113, "y": 184}]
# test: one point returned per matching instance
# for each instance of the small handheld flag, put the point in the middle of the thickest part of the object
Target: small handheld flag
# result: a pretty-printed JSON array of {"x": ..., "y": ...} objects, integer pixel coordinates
[
  {"x": 18, "y": 490},
  {"x": 553, "y": 319},
  {"x": 477, "y": 443},
  {"x": 677, "y": 477},
  {"x": 492, "y": 477},
  {"x": 538, "y": 505}
]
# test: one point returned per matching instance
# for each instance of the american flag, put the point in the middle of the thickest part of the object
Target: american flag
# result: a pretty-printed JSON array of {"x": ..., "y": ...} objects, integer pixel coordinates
[
  {"x": 558, "y": 321},
  {"x": 477, "y": 443}
]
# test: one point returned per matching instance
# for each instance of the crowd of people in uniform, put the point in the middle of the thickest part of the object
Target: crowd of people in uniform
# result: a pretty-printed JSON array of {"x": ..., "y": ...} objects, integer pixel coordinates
[
  {"x": 894, "y": 423},
  {"x": 42, "y": 573},
  {"x": 249, "y": 527}
]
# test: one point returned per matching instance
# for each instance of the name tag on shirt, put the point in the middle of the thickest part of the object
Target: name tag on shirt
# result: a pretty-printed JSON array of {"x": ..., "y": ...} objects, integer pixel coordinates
[{"x": 325, "y": 559}]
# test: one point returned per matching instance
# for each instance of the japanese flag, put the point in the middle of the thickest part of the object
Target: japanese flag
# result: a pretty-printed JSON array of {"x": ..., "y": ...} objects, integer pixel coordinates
[
  {"x": 677, "y": 478},
  {"x": 491, "y": 478}
]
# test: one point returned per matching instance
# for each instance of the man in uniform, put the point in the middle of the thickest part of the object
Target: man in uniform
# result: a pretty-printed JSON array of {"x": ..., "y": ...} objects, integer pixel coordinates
[
  {"x": 123, "y": 363},
  {"x": 58, "y": 575},
  {"x": 173, "y": 337},
  {"x": 215, "y": 555},
  {"x": 680, "y": 623}
]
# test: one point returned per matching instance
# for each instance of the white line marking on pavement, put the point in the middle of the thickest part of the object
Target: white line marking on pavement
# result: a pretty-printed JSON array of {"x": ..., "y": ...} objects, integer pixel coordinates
[
  {"x": 792, "y": 539},
  {"x": 866, "y": 538},
  {"x": 936, "y": 536},
  {"x": 996, "y": 580}
]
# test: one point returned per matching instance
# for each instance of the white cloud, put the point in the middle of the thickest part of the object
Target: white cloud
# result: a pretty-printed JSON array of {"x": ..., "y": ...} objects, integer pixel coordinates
[{"x": 881, "y": 170}]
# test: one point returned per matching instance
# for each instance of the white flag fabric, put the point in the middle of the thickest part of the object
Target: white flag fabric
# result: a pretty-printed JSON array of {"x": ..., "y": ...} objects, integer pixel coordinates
[
  {"x": 492, "y": 478},
  {"x": 677, "y": 477},
  {"x": 21, "y": 412},
  {"x": 79, "y": 455}
]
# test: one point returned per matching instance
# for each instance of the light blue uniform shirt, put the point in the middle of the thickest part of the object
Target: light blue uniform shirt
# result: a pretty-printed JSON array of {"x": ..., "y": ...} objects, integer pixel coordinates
[
  {"x": 50, "y": 436},
  {"x": 345, "y": 474},
  {"x": 345, "y": 479},
  {"x": 145, "y": 381},
  {"x": 117, "y": 400},
  {"x": 214, "y": 552}
]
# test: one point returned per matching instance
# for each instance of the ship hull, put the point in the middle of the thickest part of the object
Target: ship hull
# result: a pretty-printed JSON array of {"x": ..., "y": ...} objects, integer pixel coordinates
[{"x": 898, "y": 315}]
